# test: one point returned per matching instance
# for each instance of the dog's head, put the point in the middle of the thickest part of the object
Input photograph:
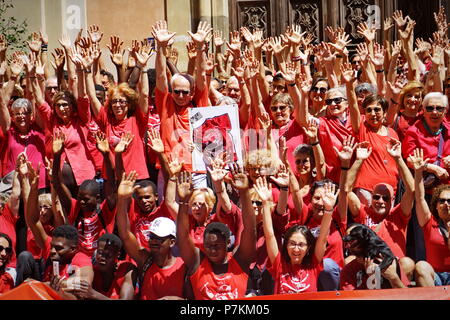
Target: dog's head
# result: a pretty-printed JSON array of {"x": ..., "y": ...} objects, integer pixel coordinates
[{"x": 362, "y": 241}]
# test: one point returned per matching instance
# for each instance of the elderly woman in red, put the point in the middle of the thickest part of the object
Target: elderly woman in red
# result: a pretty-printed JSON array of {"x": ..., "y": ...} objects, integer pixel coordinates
[
  {"x": 380, "y": 167},
  {"x": 431, "y": 133},
  {"x": 434, "y": 219},
  {"x": 125, "y": 111}
]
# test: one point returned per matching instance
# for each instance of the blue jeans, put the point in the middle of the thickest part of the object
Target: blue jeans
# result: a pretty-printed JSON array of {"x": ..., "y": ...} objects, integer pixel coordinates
[
  {"x": 442, "y": 278},
  {"x": 329, "y": 277}
]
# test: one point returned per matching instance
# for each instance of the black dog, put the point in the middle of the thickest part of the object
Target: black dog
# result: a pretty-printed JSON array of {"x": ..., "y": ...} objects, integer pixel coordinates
[{"x": 364, "y": 242}]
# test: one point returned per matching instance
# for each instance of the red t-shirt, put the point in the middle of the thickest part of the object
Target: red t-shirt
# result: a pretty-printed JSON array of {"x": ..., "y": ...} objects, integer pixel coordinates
[
  {"x": 290, "y": 278},
  {"x": 295, "y": 135},
  {"x": 332, "y": 133},
  {"x": 159, "y": 282},
  {"x": 209, "y": 286},
  {"x": 32, "y": 246},
  {"x": 119, "y": 277},
  {"x": 90, "y": 227},
  {"x": 8, "y": 226},
  {"x": 418, "y": 137},
  {"x": 438, "y": 253},
  {"x": 402, "y": 124},
  {"x": 140, "y": 223},
  {"x": 391, "y": 227},
  {"x": 354, "y": 277},
  {"x": 80, "y": 260},
  {"x": 6, "y": 282},
  {"x": 134, "y": 155},
  {"x": 380, "y": 167},
  {"x": 175, "y": 131}
]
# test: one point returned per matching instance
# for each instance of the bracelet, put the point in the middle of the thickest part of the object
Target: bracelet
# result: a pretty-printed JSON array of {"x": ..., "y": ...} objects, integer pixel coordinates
[
  {"x": 379, "y": 71},
  {"x": 173, "y": 179},
  {"x": 344, "y": 168},
  {"x": 144, "y": 71},
  {"x": 44, "y": 49},
  {"x": 87, "y": 70},
  {"x": 44, "y": 46},
  {"x": 291, "y": 84},
  {"x": 393, "y": 101},
  {"x": 298, "y": 58},
  {"x": 182, "y": 202},
  {"x": 328, "y": 211},
  {"x": 305, "y": 63},
  {"x": 284, "y": 188},
  {"x": 314, "y": 143}
]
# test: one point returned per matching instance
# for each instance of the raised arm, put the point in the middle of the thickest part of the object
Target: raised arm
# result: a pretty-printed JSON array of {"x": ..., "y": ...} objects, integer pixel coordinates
[
  {"x": 217, "y": 173},
  {"x": 349, "y": 77},
  {"x": 110, "y": 182},
  {"x": 329, "y": 198},
  {"x": 422, "y": 209},
  {"x": 281, "y": 180},
  {"x": 123, "y": 144},
  {"x": 162, "y": 37},
  {"x": 130, "y": 243},
  {"x": 319, "y": 158},
  {"x": 90, "y": 84},
  {"x": 203, "y": 32},
  {"x": 245, "y": 254},
  {"x": 188, "y": 251}
]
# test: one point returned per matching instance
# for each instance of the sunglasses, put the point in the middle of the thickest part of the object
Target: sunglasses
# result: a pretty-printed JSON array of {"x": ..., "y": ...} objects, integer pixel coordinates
[
  {"x": 443, "y": 200},
  {"x": 64, "y": 105},
  {"x": 320, "y": 90},
  {"x": 8, "y": 250},
  {"x": 181, "y": 92},
  {"x": 258, "y": 203},
  {"x": 276, "y": 108},
  {"x": 337, "y": 100},
  {"x": 153, "y": 236},
  {"x": 439, "y": 109},
  {"x": 376, "y": 109},
  {"x": 379, "y": 196}
]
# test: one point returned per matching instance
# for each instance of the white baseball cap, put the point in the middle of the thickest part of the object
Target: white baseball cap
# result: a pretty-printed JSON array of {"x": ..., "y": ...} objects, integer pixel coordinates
[{"x": 163, "y": 227}]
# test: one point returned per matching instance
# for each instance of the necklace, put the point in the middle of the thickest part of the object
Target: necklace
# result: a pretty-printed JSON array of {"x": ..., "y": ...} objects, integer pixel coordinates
[{"x": 429, "y": 130}]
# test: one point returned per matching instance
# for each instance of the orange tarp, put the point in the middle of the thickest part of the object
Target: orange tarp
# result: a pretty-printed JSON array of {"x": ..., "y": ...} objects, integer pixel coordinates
[
  {"x": 435, "y": 293},
  {"x": 31, "y": 290}
]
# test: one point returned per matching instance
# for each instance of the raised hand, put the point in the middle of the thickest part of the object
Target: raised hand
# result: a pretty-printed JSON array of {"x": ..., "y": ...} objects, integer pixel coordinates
[
  {"x": 203, "y": 31},
  {"x": 363, "y": 150},
  {"x": 348, "y": 73},
  {"x": 282, "y": 150},
  {"x": 388, "y": 24},
  {"x": 239, "y": 178},
  {"x": 95, "y": 34},
  {"x": 58, "y": 142},
  {"x": 367, "y": 32},
  {"x": 235, "y": 43},
  {"x": 281, "y": 179},
  {"x": 276, "y": 45},
  {"x": 311, "y": 130},
  {"x": 406, "y": 34},
  {"x": 48, "y": 168},
  {"x": 378, "y": 56},
  {"x": 329, "y": 196},
  {"x": 124, "y": 142},
  {"x": 396, "y": 48},
  {"x": 363, "y": 51},
  {"x": 174, "y": 166},
  {"x": 394, "y": 148},
  {"x": 65, "y": 41},
  {"x": 217, "y": 169},
  {"x": 419, "y": 164},
  {"x": 126, "y": 186},
  {"x": 192, "y": 53},
  {"x": 290, "y": 74},
  {"x": 154, "y": 140},
  {"x": 248, "y": 36},
  {"x": 60, "y": 58},
  {"x": 21, "y": 164},
  {"x": 218, "y": 39},
  {"x": 341, "y": 42},
  {"x": 262, "y": 189},
  {"x": 184, "y": 186},
  {"x": 16, "y": 65},
  {"x": 102, "y": 142},
  {"x": 348, "y": 147},
  {"x": 265, "y": 121},
  {"x": 422, "y": 46},
  {"x": 294, "y": 34},
  {"x": 399, "y": 20},
  {"x": 161, "y": 33},
  {"x": 116, "y": 52},
  {"x": 35, "y": 43}
]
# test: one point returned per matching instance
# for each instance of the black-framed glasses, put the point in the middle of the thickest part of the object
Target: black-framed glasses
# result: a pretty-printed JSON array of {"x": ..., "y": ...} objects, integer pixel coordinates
[
  {"x": 276, "y": 108},
  {"x": 185, "y": 92},
  {"x": 337, "y": 100},
  {"x": 444, "y": 200},
  {"x": 63, "y": 105},
  {"x": 8, "y": 250},
  {"x": 439, "y": 109},
  {"x": 320, "y": 90},
  {"x": 379, "y": 196},
  {"x": 376, "y": 109}
]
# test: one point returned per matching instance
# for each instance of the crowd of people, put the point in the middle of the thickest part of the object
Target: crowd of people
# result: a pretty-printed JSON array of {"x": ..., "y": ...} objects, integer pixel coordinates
[{"x": 344, "y": 183}]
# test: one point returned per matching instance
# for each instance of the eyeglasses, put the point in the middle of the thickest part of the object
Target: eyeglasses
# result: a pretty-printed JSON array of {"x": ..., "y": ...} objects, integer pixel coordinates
[
  {"x": 257, "y": 202},
  {"x": 45, "y": 207},
  {"x": 300, "y": 161},
  {"x": 276, "y": 108},
  {"x": 376, "y": 109},
  {"x": 24, "y": 114},
  {"x": 301, "y": 245},
  {"x": 379, "y": 196},
  {"x": 62, "y": 105},
  {"x": 185, "y": 92},
  {"x": 8, "y": 250},
  {"x": 337, "y": 100},
  {"x": 51, "y": 88},
  {"x": 320, "y": 90},
  {"x": 439, "y": 109},
  {"x": 444, "y": 200},
  {"x": 120, "y": 102}
]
